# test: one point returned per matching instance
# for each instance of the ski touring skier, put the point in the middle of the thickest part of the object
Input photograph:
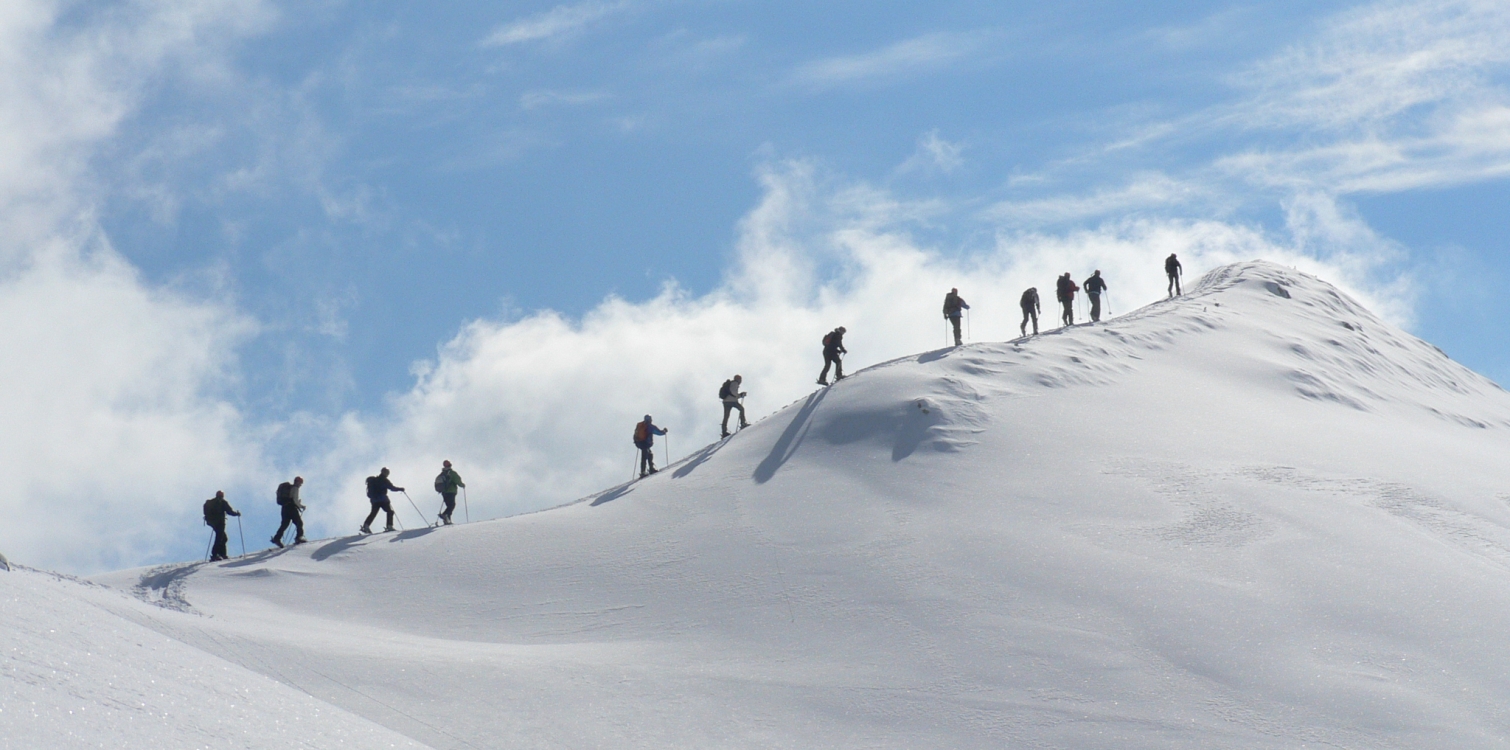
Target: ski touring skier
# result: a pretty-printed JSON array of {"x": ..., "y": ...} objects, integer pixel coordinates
[
  {"x": 293, "y": 511},
  {"x": 1066, "y": 293},
  {"x": 215, "y": 511},
  {"x": 378, "y": 488},
  {"x": 833, "y": 347},
  {"x": 644, "y": 439},
  {"x": 730, "y": 395},
  {"x": 1172, "y": 269},
  {"x": 954, "y": 307},
  {"x": 446, "y": 483},
  {"x": 1030, "y": 310},
  {"x": 1093, "y": 287}
]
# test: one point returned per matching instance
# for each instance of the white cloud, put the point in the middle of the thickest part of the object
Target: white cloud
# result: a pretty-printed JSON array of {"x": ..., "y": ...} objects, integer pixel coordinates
[
  {"x": 538, "y": 411},
  {"x": 934, "y": 154},
  {"x": 1144, "y": 192},
  {"x": 558, "y": 21},
  {"x": 904, "y": 59},
  {"x": 114, "y": 427}
]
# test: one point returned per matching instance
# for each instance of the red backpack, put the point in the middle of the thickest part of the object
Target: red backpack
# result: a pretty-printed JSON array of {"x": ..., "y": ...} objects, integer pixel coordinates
[{"x": 641, "y": 432}]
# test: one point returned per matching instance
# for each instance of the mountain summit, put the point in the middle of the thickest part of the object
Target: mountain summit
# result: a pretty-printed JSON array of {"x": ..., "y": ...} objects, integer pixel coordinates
[{"x": 1253, "y": 516}]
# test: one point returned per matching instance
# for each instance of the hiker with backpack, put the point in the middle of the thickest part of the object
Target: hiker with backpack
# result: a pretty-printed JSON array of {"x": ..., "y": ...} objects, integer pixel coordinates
[
  {"x": 833, "y": 346},
  {"x": 644, "y": 439},
  {"x": 730, "y": 395},
  {"x": 377, "y": 493},
  {"x": 1066, "y": 294},
  {"x": 293, "y": 511},
  {"x": 954, "y": 305},
  {"x": 1030, "y": 310},
  {"x": 215, "y": 511},
  {"x": 446, "y": 483},
  {"x": 1094, "y": 286},
  {"x": 1172, "y": 269}
]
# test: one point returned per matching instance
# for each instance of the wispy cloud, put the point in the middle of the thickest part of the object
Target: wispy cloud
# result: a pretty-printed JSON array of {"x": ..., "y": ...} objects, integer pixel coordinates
[
  {"x": 560, "y": 20},
  {"x": 1145, "y": 191},
  {"x": 934, "y": 154},
  {"x": 536, "y": 99},
  {"x": 903, "y": 59}
]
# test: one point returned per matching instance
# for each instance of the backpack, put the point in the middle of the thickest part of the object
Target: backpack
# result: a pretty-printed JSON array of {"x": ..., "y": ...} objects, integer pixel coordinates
[
  {"x": 284, "y": 490},
  {"x": 440, "y": 482},
  {"x": 372, "y": 484},
  {"x": 641, "y": 432},
  {"x": 724, "y": 390},
  {"x": 207, "y": 504},
  {"x": 827, "y": 337}
]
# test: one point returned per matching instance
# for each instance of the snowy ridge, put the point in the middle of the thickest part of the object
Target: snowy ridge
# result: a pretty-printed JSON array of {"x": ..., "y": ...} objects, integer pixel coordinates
[{"x": 1253, "y": 516}]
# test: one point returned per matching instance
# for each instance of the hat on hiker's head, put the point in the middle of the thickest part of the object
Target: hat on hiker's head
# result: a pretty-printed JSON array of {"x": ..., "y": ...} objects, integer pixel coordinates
[
  {"x": 446, "y": 464},
  {"x": 648, "y": 419}
]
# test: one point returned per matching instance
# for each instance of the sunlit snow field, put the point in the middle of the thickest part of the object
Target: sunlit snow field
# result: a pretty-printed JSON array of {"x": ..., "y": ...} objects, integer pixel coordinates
[{"x": 1254, "y": 516}]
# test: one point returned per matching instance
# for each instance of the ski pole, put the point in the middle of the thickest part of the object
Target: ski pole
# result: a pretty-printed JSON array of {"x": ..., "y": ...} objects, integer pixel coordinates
[
  {"x": 241, "y": 534},
  {"x": 967, "y": 324},
  {"x": 464, "y": 507},
  {"x": 417, "y": 511},
  {"x": 208, "y": 545}
]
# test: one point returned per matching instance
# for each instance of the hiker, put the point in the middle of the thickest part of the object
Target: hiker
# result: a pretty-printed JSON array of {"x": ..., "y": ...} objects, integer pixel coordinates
[
  {"x": 953, "y": 307},
  {"x": 446, "y": 483},
  {"x": 833, "y": 346},
  {"x": 1172, "y": 269},
  {"x": 1030, "y": 309},
  {"x": 1066, "y": 294},
  {"x": 1094, "y": 286},
  {"x": 730, "y": 394},
  {"x": 644, "y": 438},
  {"x": 293, "y": 511},
  {"x": 377, "y": 494},
  {"x": 215, "y": 511}
]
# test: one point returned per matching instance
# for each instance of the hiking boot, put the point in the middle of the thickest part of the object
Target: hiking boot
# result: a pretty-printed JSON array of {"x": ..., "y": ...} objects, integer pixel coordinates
[
  {"x": 447, "y": 520},
  {"x": 821, "y": 381},
  {"x": 277, "y": 541},
  {"x": 390, "y": 528},
  {"x": 725, "y": 434},
  {"x": 366, "y": 530},
  {"x": 300, "y": 540}
]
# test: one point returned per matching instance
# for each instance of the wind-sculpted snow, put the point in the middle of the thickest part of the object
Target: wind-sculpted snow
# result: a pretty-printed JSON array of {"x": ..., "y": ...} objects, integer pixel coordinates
[{"x": 1254, "y": 516}]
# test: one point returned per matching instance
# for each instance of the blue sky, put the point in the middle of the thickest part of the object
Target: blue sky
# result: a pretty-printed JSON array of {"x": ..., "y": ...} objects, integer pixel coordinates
[{"x": 269, "y": 238}]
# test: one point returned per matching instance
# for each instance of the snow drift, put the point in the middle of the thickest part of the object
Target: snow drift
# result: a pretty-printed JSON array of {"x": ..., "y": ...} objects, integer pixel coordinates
[{"x": 1253, "y": 516}]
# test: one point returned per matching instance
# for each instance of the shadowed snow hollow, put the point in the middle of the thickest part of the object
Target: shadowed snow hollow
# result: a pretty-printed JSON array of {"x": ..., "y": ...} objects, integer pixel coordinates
[{"x": 1254, "y": 516}]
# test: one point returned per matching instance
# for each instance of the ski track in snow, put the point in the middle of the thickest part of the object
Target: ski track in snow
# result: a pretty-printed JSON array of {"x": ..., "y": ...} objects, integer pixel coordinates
[{"x": 1253, "y": 516}]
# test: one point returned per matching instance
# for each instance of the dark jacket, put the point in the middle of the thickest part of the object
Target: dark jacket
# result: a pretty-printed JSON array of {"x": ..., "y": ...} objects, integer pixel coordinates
[
  {"x": 1030, "y": 300},
  {"x": 953, "y": 303},
  {"x": 835, "y": 344},
  {"x": 215, "y": 511},
  {"x": 1172, "y": 265},
  {"x": 1094, "y": 285},
  {"x": 378, "y": 487}
]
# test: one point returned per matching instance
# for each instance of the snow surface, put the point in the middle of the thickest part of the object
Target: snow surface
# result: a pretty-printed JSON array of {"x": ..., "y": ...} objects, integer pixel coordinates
[{"x": 1255, "y": 516}]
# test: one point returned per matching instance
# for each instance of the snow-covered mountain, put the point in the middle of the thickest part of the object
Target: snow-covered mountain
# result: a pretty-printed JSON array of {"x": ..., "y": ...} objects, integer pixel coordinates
[{"x": 1254, "y": 516}]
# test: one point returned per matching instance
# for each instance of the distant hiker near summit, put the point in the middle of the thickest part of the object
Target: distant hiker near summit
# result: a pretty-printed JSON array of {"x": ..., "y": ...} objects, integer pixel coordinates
[
  {"x": 377, "y": 493},
  {"x": 644, "y": 439},
  {"x": 730, "y": 395},
  {"x": 446, "y": 483},
  {"x": 1066, "y": 294},
  {"x": 1172, "y": 269},
  {"x": 1030, "y": 310},
  {"x": 954, "y": 305},
  {"x": 215, "y": 511},
  {"x": 1094, "y": 286},
  {"x": 833, "y": 346},
  {"x": 293, "y": 511}
]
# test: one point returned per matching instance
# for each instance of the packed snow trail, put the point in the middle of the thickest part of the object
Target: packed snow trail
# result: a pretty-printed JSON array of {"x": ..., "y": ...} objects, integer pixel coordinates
[{"x": 1253, "y": 516}]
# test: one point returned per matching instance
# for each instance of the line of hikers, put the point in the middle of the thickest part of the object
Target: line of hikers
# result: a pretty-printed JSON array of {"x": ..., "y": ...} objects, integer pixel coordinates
[
  {"x": 448, "y": 481},
  {"x": 217, "y": 508}
]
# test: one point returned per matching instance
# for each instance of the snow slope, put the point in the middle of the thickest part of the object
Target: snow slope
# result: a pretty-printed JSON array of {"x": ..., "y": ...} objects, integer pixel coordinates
[{"x": 1255, "y": 516}]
